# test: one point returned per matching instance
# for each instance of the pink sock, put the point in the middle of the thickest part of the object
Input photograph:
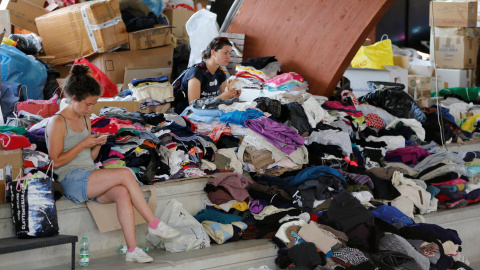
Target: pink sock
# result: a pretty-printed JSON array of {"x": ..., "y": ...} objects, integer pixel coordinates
[
  {"x": 154, "y": 223},
  {"x": 132, "y": 249}
]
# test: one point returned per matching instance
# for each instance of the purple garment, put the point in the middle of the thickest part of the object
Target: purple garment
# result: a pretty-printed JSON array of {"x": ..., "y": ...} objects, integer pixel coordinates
[
  {"x": 281, "y": 136},
  {"x": 236, "y": 184},
  {"x": 35, "y": 135},
  {"x": 360, "y": 179},
  {"x": 409, "y": 154}
]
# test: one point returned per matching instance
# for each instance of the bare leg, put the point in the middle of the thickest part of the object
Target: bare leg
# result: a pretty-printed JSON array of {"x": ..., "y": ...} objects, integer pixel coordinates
[
  {"x": 100, "y": 181},
  {"x": 121, "y": 196}
]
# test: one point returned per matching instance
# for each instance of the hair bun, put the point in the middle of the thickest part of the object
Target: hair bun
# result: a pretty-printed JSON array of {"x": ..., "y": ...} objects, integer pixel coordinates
[{"x": 79, "y": 70}]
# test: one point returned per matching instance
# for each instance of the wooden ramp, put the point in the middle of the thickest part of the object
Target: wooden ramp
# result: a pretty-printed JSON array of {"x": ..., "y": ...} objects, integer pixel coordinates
[{"x": 315, "y": 38}]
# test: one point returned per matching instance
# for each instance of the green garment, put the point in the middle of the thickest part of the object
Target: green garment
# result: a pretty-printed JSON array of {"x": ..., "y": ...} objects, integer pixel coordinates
[{"x": 16, "y": 130}]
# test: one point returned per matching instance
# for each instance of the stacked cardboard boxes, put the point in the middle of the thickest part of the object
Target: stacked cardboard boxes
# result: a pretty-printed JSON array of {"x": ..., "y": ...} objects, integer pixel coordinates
[{"x": 454, "y": 43}]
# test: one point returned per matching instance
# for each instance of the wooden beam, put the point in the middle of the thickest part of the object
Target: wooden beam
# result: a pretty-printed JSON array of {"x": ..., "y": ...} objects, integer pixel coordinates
[{"x": 315, "y": 38}]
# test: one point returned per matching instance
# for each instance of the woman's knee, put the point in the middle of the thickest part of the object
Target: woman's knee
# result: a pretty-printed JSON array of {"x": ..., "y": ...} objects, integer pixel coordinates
[{"x": 122, "y": 194}]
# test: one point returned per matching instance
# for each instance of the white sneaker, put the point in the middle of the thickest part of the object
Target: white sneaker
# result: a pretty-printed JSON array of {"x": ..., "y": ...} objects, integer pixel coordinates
[
  {"x": 138, "y": 255},
  {"x": 163, "y": 231}
]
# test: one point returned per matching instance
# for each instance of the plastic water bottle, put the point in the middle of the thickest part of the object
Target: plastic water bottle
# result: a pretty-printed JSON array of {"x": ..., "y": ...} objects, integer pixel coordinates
[
  {"x": 84, "y": 252},
  {"x": 261, "y": 94},
  {"x": 122, "y": 249}
]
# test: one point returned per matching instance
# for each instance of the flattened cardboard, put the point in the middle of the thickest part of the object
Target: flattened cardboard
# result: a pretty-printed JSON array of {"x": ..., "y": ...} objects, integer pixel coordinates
[
  {"x": 23, "y": 13},
  {"x": 15, "y": 158},
  {"x": 150, "y": 38},
  {"x": 178, "y": 18},
  {"x": 113, "y": 64},
  {"x": 105, "y": 215},
  {"x": 141, "y": 73},
  {"x": 450, "y": 14}
]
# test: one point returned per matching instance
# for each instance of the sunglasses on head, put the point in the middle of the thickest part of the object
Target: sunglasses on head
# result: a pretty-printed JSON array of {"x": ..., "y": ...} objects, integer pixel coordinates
[{"x": 222, "y": 39}]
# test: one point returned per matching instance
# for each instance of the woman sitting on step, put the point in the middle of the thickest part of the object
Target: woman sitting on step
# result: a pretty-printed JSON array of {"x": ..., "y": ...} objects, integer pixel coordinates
[{"x": 73, "y": 147}]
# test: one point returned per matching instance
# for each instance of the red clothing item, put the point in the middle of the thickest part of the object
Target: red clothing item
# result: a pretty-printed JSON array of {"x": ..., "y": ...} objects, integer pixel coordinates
[{"x": 13, "y": 141}]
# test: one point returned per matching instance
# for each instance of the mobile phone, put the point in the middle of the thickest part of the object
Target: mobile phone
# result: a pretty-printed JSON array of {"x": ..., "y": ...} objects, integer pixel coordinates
[{"x": 103, "y": 135}]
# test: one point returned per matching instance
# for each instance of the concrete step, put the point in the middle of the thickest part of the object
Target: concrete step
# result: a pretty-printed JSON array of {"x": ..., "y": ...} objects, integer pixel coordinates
[
  {"x": 239, "y": 255},
  {"x": 75, "y": 219}
]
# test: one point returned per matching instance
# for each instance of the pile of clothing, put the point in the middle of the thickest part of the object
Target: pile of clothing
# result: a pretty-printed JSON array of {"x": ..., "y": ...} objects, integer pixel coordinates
[{"x": 331, "y": 180}]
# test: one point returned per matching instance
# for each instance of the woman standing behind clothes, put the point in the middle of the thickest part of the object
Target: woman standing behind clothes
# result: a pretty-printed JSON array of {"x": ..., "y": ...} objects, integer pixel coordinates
[
  {"x": 207, "y": 78},
  {"x": 72, "y": 148}
]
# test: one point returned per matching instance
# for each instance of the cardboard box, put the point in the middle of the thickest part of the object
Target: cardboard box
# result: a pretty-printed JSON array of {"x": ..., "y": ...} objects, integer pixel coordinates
[
  {"x": 38, "y": 3},
  {"x": 5, "y": 22},
  {"x": 456, "y": 52},
  {"x": 141, "y": 73},
  {"x": 15, "y": 158},
  {"x": 23, "y": 13},
  {"x": 427, "y": 101},
  {"x": 448, "y": 78},
  {"x": 131, "y": 106},
  {"x": 401, "y": 61},
  {"x": 453, "y": 13},
  {"x": 421, "y": 67},
  {"x": 113, "y": 64},
  {"x": 67, "y": 33},
  {"x": 360, "y": 76},
  {"x": 150, "y": 38},
  {"x": 178, "y": 18},
  {"x": 419, "y": 86}
]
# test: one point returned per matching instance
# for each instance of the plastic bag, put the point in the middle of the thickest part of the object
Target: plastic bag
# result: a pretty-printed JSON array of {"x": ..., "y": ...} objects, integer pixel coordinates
[
  {"x": 202, "y": 28},
  {"x": 109, "y": 88},
  {"x": 391, "y": 98},
  {"x": 27, "y": 43},
  {"x": 182, "y": 4},
  {"x": 374, "y": 56},
  {"x": 192, "y": 234},
  {"x": 156, "y": 6},
  {"x": 19, "y": 68}
]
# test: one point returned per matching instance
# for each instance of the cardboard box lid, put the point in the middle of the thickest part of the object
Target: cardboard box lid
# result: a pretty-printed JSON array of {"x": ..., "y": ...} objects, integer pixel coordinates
[
  {"x": 23, "y": 13},
  {"x": 178, "y": 18},
  {"x": 105, "y": 215},
  {"x": 142, "y": 73},
  {"x": 421, "y": 67}
]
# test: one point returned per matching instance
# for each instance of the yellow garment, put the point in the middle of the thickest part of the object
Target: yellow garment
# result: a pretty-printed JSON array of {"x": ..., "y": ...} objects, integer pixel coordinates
[
  {"x": 250, "y": 70},
  {"x": 474, "y": 162},
  {"x": 120, "y": 164},
  {"x": 461, "y": 186},
  {"x": 469, "y": 124},
  {"x": 240, "y": 206},
  {"x": 359, "y": 120}
]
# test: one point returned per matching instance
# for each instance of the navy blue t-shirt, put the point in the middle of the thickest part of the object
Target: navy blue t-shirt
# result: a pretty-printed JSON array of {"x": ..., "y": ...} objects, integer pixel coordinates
[{"x": 209, "y": 83}]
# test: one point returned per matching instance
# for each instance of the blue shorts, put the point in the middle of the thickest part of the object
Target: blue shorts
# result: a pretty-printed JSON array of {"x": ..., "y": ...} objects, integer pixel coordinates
[{"x": 75, "y": 185}]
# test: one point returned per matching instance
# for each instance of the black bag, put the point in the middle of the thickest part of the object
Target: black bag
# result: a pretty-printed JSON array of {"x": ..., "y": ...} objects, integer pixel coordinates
[
  {"x": 180, "y": 101},
  {"x": 34, "y": 211}
]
